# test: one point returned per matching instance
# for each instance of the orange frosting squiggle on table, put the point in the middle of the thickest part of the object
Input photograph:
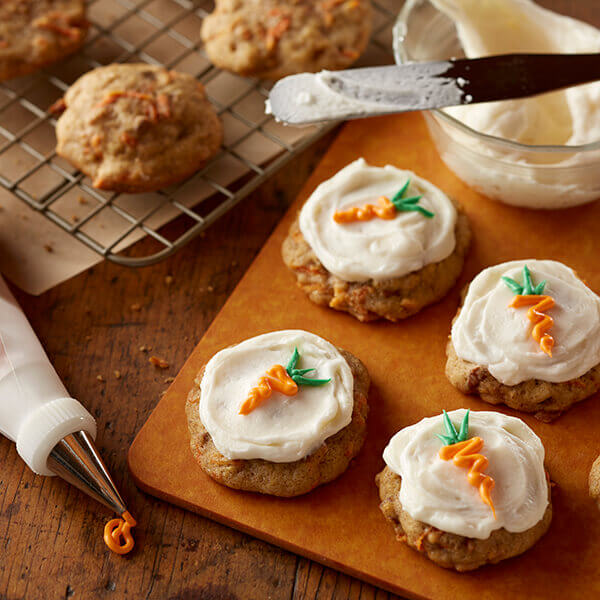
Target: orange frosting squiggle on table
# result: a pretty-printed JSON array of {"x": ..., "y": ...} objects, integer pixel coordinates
[
  {"x": 536, "y": 314},
  {"x": 120, "y": 529},
  {"x": 384, "y": 210},
  {"x": 466, "y": 455},
  {"x": 275, "y": 380}
]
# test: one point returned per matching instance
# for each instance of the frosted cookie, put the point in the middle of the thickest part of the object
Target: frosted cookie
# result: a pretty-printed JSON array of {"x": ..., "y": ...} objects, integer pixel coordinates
[
  {"x": 595, "y": 481},
  {"x": 274, "y": 38},
  {"x": 37, "y": 33},
  {"x": 528, "y": 336},
  {"x": 279, "y": 414},
  {"x": 377, "y": 242},
  {"x": 466, "y": 489},
  {"x": 137, "y": 127}
]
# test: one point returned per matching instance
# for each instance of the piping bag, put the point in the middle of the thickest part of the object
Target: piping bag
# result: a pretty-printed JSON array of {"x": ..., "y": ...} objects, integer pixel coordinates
[{"x": 54, "y": 433}]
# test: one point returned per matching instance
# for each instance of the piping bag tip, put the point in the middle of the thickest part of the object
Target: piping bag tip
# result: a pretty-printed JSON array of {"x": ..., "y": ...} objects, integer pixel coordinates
[{"x": 76, "y": 460}]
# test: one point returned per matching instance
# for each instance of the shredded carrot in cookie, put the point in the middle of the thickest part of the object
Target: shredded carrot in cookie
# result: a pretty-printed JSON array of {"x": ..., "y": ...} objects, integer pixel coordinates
[
  {"x": 58, "y": 23},
  {"x": 541, "y": 321},
  {"x": 276, "y": 379},
  {"x": 275, "y": 32},
  {"x": 421, "y": 539},
  {"x": 330, "y": 4},
  {"x": 155, "y": 107},
  {"x": 58, "y": 107},
  {"x": 163, "y": 106},
  {"x": 129, "y": 139},
  {"x": 465, "y": 455},
  {"x": 384, "y": 210},
  {"x": 352, "y": 54}
]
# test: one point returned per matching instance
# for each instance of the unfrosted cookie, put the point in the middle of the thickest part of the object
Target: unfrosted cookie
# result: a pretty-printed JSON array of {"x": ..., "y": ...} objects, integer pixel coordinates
[
  {"x": 274, "y": 38},
  {"x": 535, "y": 350},
  {"x": 34, "y": 33},
  {"x": 285, "y": 451},
  {"x": 594, "y": 481},
  {"x": 436, "y": 510},
  {"x": 389, "y": 266},
  {"x": 137, "y": 127}
]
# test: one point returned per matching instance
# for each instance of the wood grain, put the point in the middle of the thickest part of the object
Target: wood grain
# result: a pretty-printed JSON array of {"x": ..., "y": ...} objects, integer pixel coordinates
[{"x": 50, "y": 533}]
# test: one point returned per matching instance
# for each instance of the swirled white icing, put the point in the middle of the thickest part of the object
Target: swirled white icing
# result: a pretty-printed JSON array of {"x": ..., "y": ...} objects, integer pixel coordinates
[
  {"x": 377, "y": 249},
  {"x": 570, "y": 116},
  {"x": 489, "y": 333},
  {"x": 283, "y": 428},
  {"x": 438, "y": 492}
]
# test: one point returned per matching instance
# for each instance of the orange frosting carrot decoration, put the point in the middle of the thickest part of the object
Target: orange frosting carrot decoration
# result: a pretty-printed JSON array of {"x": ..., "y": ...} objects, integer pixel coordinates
[
  {"x": 464, "y": 453},
  {"x": 120, "y": 529},
  {"x": 279, "y": 379},
  {"x": 541, "y": 321},
  {"x": 275, "y": 380},
  {"x": 530, "y": 295},
  {"x": 385, "y": 209}
]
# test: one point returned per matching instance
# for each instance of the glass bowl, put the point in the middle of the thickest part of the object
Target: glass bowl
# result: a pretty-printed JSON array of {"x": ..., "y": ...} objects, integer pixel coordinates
[{"x": 543, "y": 177}]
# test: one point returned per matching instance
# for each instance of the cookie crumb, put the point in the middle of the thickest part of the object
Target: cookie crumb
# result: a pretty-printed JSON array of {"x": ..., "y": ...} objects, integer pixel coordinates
[
  {"x": 82, "y": 200},
  {"x": 210, "y": 288},
  {"x": 48, "y": 248},
  {"x": 74, "y": 218},
  {"x": 136, "y": 307},
  {"x": 158, "y": 362},
  {"x": 169, "y": 379},
  {"x": 117, "y": 374},
  {"x": 145, "y": 348},
  {"x": 168, "y": 280},
  {"x": 100, "y": 378}
]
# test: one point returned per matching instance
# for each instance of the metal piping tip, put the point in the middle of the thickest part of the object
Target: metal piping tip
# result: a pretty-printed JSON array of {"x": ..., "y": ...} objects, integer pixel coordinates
[{"x": 76, "y": 460}]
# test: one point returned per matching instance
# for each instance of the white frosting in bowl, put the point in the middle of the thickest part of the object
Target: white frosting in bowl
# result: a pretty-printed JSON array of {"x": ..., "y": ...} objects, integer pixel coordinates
[
  {"x": 378, "y": 249},
  {"x": 438, "y": 492},
  {"x": 283, "y": 428},
  {"x": 511, "y": 166},
  {"x": 490, "y": 333},
  {"x": 487, "y": 27}
]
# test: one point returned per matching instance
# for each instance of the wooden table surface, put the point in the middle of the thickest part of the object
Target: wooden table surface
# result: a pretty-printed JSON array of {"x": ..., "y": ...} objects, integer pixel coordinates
[{"x": 50, "y": 533}]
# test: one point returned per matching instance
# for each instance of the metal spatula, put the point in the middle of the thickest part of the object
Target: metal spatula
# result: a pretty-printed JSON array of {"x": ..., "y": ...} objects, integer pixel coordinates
[{"x": 356, "y": 93}]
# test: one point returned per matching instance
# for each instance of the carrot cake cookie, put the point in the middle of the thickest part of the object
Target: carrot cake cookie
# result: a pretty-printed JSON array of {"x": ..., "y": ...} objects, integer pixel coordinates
[
  {"x": 466, "y": 489},
  {"x": 280, "y": 413}
]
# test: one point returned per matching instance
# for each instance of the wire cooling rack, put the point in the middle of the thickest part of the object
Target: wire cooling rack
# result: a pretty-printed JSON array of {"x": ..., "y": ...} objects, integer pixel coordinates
[{"x": 164, "y": 32}]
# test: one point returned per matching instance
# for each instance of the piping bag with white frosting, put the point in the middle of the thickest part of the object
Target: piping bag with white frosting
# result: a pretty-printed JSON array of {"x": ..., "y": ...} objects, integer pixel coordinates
[{"x": 54, "y": 433}]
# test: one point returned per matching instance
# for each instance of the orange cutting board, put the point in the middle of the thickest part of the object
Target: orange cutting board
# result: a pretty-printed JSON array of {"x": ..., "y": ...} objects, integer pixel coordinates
[{"x": 340, "y": 524}]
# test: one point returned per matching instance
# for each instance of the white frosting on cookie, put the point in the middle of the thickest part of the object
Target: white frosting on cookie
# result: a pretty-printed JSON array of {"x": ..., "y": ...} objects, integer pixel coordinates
[
  {"x": 438, "y": 492},
  {"x": 378, "y": 249},
  {"x": 283, "y": 428},
  {"x": 488, "y": 332}
]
